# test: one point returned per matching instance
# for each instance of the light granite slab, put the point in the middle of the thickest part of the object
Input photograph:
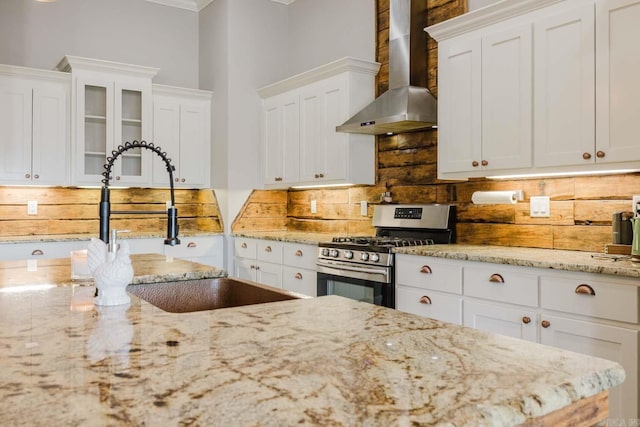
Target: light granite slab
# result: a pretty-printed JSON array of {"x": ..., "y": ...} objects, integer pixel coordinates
[
  {"x": 147, "y": 268},
  {"x": 319, "y": 361},
  {"x": 586, "y": 262},
  {"x": 287, "y": 236}
]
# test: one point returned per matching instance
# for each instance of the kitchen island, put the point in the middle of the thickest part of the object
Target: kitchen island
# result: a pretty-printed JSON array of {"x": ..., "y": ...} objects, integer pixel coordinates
[{"x": 317, "y": 361}]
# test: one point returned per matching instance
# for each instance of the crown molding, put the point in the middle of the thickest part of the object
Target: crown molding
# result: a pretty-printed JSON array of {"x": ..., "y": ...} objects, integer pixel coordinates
[{"x": 198, "y": 5}]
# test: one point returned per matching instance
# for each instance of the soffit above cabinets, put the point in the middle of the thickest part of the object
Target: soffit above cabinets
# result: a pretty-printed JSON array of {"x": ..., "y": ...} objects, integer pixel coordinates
[{"x": 198, "y": 5}]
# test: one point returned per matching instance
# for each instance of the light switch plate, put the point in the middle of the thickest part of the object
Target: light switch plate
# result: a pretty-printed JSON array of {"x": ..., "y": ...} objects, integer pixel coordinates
[
  {"x": 363, "y": 208},
  {"x": 314, "y": 207},
  {"x": 32, "y": 207},
  {"x": 539, "y": 207}
]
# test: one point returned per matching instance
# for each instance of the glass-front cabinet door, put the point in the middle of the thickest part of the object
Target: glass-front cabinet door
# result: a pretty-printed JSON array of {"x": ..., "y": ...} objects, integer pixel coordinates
[
  {"x": 112, "y": 106},
  {"x": 112, "y": 113}
]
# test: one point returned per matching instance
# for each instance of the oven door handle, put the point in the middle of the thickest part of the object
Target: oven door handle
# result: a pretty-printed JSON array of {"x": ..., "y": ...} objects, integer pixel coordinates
[{"x": 354, "y": 268}]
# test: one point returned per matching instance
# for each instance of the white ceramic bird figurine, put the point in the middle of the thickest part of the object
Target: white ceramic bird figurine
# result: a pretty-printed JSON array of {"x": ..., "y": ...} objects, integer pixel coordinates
[{"x": 111, "y": 272}]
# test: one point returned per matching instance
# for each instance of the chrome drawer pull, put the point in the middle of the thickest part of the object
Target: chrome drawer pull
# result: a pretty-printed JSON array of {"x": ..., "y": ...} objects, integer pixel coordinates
[
  {"x": 496, "y": 278},
  {"x": 585, "y": 289},
  {"x": 426, "y": 269},
  {"x": 192, "y": 245},
  {"x": 425, "y": 300},
  {"x": 37, "y": 252}
]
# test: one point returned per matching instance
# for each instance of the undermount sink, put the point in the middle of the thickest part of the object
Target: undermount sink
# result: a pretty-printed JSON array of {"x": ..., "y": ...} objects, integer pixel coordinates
[{"x": 208, "y": 294}]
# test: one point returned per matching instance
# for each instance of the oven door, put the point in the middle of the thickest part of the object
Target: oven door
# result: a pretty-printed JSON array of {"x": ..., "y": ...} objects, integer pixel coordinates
[{"x": 369, "y": 284}]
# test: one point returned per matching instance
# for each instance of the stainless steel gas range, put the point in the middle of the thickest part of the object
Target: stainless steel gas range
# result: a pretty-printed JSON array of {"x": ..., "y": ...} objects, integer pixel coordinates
[{"x": 362, "y": 267}]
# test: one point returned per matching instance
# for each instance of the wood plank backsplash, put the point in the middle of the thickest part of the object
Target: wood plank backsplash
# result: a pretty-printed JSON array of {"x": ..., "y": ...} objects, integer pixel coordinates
[
  {"x": 74, "y": 211},
  {"x": 581, "y": 207}
]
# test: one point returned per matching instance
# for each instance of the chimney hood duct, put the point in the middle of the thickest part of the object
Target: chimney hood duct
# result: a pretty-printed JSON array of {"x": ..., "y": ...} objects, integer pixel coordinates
[{"x": 408, "y": 105}]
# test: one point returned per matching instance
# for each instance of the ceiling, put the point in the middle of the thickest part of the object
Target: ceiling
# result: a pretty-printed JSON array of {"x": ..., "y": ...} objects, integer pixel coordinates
[{"x": 198, "y": 5}]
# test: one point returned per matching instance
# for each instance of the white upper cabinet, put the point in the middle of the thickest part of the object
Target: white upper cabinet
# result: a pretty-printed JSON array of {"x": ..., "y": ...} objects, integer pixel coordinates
[
  {"x": 281, "y": 139},
  {"x": 300, "y": 145},
  {"x": 506, "y": 99},
  {"x": 565, "y": 87},
  {"x": 34, "y": 130},
  {"x": 459, "y": 112},
  {"x": 182, "y": 129},
  {"x": 617, "y": 84},
  {"x": 111, "y": 105},
  {"x": 552, "y": 88},
  {"x": 484, "y": 103}
]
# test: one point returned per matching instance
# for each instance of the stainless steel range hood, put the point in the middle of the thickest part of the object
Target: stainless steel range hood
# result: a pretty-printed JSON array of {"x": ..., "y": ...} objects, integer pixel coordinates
[{"x": 408, "y": 105}]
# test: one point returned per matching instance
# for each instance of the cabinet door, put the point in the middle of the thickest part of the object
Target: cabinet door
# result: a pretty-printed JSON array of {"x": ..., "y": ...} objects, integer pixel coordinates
[
  {"x": 281, "y": 139},
  {"x": 245, "y": 268},
  {"x": 332, "y": 153},
  {"x": 194, "y": 145},
  {"x": 166, "y": 135},
  {"x": 310, "y": 133},
  {"x": 15, "y": 129},
  {"x": 617, "y": 84},
  {"x": 269, "y": 274},
  {"x": 131, "y": 123},
  {"x": 459, "y": 104},
  {"x": 94, "y": 129},
  {"x": 507, "y": 99},
  {"x": 608, "y": 342},
  {"x": 513, "y": 322},
  {"x": 565, "y": 88},
  {"x": 50, "y": 149}
]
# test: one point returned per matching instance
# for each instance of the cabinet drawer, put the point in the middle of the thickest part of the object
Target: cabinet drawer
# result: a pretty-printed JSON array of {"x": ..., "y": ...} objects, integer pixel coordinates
[
  {"x": 590, "y": 298},
  {"x": 435, "y": 305},
  {"x": 190, "y": 247},
  {"x": 299, "y": 280},
  {"x": 501, "y": 284},
  {"x": 429, "y": 273},
  {"x": 245, "y": 248},
  {"x": 270, "y": 251},
  {"x": 301, "y": 256}
]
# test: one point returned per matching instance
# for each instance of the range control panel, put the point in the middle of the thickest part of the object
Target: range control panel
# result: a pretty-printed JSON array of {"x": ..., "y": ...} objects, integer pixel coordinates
[{"x": 408, "y": 213}]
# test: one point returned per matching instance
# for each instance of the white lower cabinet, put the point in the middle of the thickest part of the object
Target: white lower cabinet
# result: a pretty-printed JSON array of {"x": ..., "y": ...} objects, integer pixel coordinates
[
  {"x": 429, "y": 287},
  {"x": 291, "y": 266},
  {"x": 608, "y": 342},
  {"x": 513, "y": 322},
  {"x": 592, "y": 314},
  {"x": 207, "y": 250}
]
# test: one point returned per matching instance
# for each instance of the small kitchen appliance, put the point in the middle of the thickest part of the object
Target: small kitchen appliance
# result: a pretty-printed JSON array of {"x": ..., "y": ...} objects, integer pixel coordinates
[{"x": 362, "y": 267}]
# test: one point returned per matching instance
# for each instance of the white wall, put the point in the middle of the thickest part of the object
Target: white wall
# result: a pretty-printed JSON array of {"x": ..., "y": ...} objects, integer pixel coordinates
[
  {"x": 38, "y": 35},
  {"x": 242, "y": 48},
  {"x": 323, "y": 31},
  {"x": 477, "y": 4}
]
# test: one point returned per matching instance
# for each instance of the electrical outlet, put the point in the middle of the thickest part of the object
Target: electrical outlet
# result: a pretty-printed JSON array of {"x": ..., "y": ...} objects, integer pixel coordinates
[
  {"x": 167, "y": 204},
  {"x": 314, "y": 207},
  {"x": 539, "y": 207},
  {"x": 32, "y": 207},
  {"x": 363, "y": 208},
  {"x": 635, "y": 206}
]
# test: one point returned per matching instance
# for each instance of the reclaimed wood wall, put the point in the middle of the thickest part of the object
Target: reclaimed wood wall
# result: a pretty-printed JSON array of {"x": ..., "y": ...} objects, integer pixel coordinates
[
  {"x": 581, "y": 207},
  {"x": 74, "y": 211}
]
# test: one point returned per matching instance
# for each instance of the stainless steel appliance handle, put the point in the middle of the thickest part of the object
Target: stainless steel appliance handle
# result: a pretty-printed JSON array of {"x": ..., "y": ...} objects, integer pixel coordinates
[{"x": 351, "y": 267}]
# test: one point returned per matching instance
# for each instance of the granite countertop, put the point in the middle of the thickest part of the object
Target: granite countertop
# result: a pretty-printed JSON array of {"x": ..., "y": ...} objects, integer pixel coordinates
[
  {"x": 148, "y": 268},
  {"x": 317, "y": 361},
  {"x": 287, "y": 236},
  {"x": 82, "y": 237},
  {"x": 586, "y": 262}
]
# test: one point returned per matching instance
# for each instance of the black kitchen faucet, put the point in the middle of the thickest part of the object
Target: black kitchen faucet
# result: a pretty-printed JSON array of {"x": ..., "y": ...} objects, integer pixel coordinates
[{"x": 105, "y": 202}]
